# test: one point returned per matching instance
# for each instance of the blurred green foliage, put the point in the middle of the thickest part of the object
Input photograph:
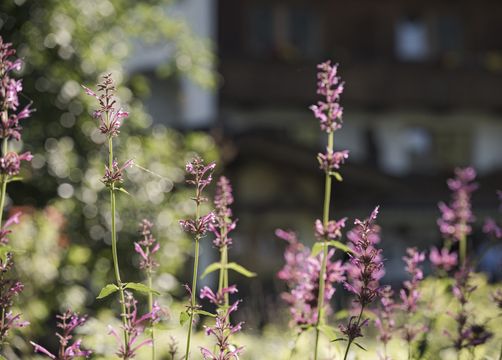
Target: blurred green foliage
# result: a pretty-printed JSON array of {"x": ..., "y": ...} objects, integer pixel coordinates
[{"x": 63, "y": 240}]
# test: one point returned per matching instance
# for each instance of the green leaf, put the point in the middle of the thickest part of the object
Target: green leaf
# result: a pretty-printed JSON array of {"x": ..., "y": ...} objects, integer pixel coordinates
[
  {"x": 107, "y": 290},
  {"x": 358, "y": 345},
  {"x": 317, "y": 248},
  {"x": 121, "y": 189},
  {"x": 329, "y": 331},
  {"x": 140, "y": 288},
  {"x": 339, "y": 245},
  {"x": 211, "y": 268},
  {"x": 240, "y": 269},
  {"x": 206, "y": 313},
  {"x": 336, "y": 175},
  {"x": 184, "y": 317}
]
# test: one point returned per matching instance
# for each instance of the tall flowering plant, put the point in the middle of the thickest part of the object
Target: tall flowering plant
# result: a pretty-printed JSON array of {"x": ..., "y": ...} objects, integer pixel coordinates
[
  {"x": 110, "y": 118},
  {"x": 10, "y": 163},
  {"x": 364, "y": 271},
  {"x": 200, "y": 176},
  {"x": 329, "y": 113},
  {"x": 221, "y": 228}
]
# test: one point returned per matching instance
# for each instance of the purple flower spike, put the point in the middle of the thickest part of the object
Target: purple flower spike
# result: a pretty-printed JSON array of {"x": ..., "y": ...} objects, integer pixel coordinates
[
  {"x": 67, "y": 322},
  {"x": 200, "y": 177},
  {"x": 385, "y": 322},
  {"x": 222, "y": 331},
  {"x": 456, "y": 217},
  {"x": 365, "y": 267},
  {"x": 115, "y": 176},
  {"x": 328, "y": 112},
  {"x": 410, "y": 294},
  {"x": 135, "y": 326},
  {"x": 109, "y": 115},
  {"x": 224, "y": 223},
  {"x": 301, "y": 274},
  {"x": 147, "y": 247}
]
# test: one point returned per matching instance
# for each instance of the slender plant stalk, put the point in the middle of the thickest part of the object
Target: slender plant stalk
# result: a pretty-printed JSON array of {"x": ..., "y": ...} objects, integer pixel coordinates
[
  {"x": 223, "y": 277},
  {"x": 3, "y": 192},
  {"x": 194, "y": 278},
  {"x": 192, "y": 300},
  {"x": 325, "y": 219},
  {"x": 114, "y": 245},
  {"x": 463, "y": 248},
  {"x": 357, "y": 326},
  {"x": 3, "y": 181},
  {"x": 150, "y": 308}
]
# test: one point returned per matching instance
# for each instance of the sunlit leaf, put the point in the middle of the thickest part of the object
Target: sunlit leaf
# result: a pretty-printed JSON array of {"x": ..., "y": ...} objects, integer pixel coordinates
[
  {"x": 140, "y": 288},
  {"x": 211, "y": 268},
  {"x": 240, "y": 269},
  {"x": 107, "y": 290},
  {"x": 184, "y": 317}
]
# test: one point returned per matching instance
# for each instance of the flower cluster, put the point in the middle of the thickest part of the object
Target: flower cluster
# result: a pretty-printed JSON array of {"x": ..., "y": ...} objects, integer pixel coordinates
[
  {"x": 332, "y": 230},
  {"x": 9, "y": 289},
  {"x": 9, "y": 94},
  {"x": 365, "y": 267},
  {"x": 147, "y": 247},
  {"x": 469, "y": 334},
  {"x": 364, "y": 271},
  {"x": 67, "y": 322},
  {"x": 456, "y": 217},
  {"x": 222, "y": 330},
  {"x": 331, "y": 160},
  {"x": 443, "y": 259},
  {"x": 410, "y": 294},
  {"x": 135, "y": 326},
  {"x": 115, "y": 175},
  {"x": 201, "y": 176},
  {"x": 301, "y": 274},
  {"x": 109, "y": 115},
  {"x": 223, "y": 213},
  {"x": 10, "y": 88},
  {"x": 5, "y": 231},
  {"x": 328, "y": 112},
  {"x": 218, "y": 298}
]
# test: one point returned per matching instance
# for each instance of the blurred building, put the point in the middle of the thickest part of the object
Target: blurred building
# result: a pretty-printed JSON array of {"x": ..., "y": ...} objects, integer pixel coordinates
[{"x": 423, "y": 95}]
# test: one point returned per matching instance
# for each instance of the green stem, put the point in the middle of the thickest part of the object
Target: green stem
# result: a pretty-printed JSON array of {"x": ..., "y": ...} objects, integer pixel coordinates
[
  {"x": 350, "y": 341},
  {"x": 150, "y": 309},
  {"x": 3, "y": 181},
  {"x": 114, "y": 246},
  {"x": 463, "y": 248},
  {"x": 320, "y": 297},
  {"x": 194, "y": 289}
]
